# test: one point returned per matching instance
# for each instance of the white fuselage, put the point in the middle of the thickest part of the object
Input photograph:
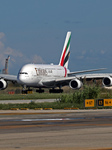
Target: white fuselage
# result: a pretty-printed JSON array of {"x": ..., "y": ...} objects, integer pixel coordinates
[{"x": 33, "y": 75}]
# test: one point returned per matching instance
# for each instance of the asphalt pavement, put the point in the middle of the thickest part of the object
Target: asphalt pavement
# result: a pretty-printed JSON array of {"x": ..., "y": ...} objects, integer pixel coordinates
[{"x": 56, "y": 129}]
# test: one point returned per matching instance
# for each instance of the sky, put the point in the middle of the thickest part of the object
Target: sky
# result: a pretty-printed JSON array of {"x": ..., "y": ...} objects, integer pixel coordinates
[{"x": 33, "y": 31}]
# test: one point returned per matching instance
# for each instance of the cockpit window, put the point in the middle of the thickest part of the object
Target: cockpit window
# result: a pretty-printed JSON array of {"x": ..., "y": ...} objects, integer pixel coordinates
[{"x": 23, "y": 73}]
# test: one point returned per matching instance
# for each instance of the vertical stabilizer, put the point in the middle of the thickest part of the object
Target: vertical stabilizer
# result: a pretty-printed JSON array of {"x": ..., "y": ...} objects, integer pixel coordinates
[{"x": 66, "y": 51}]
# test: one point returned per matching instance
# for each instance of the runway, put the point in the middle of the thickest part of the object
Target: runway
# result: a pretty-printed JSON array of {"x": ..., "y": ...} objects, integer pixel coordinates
[{"x": 56, "y": 129}]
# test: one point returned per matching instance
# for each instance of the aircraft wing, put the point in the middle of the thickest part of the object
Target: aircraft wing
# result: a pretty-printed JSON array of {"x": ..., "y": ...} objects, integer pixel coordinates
[
  {"x": 74, "y": 82},
  {"x": 83, "y": 71},
  {"x": 57, "y": 81},
  {"x": 82, "y": 76},
  {"x": 8, "y": 77},
  {"x": 94, "y": 76}
]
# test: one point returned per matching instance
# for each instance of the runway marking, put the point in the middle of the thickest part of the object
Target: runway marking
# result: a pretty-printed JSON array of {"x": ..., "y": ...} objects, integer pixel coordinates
[
  {"x": 61, "y": 119},
  {"x": 57, "y": 119}
]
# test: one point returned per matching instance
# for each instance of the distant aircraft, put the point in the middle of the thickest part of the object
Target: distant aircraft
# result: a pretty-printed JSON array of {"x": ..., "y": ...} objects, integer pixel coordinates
[{"x": 51, "y": 76}]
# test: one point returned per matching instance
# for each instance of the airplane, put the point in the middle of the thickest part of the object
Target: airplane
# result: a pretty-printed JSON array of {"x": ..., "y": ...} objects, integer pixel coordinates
[{"x": 52, "y": 76}]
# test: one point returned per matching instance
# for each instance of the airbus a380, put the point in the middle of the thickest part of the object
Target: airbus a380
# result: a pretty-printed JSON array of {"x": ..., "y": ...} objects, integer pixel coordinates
[{"x": 51, "y": 76}]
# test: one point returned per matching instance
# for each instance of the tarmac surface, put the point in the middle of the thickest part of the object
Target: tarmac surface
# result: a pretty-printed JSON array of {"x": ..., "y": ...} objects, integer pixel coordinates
[{"x": 56, "y": 129}]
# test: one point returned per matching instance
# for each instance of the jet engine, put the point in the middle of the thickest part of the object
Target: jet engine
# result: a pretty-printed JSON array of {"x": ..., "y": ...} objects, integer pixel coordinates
[
  {"x": 75, "y": 84},
  {"x": 3, "y": 84},
  {"x": 107, "y": 81}
]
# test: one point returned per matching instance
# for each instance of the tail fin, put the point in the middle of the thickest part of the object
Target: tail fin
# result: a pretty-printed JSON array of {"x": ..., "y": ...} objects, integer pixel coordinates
[{"x": 65, "y": 53}]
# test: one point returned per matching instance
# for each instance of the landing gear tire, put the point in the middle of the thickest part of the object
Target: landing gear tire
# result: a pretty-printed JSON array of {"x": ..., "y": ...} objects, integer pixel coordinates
[
  {"x": 40, "y": 91},
  {"x": 55, "y": 91}
]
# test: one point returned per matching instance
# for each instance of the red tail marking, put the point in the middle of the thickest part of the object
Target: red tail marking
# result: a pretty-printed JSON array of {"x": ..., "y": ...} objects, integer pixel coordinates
[{"x": 62, "y": 60}]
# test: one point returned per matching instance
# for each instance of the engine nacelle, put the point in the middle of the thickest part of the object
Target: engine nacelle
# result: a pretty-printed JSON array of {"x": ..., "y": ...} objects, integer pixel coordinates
[
  {"x": 3, "y": 84},
  {"x": 75, "y": 84},
  {"x": 107, "y": 81}
]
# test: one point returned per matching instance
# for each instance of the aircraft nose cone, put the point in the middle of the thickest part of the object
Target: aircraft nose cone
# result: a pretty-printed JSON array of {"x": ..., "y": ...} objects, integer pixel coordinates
[{"x": 20, "y": 79}]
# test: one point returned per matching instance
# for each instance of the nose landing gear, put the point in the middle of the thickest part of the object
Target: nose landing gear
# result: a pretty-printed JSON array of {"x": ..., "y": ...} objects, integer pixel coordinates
[{"x": 25, "y": 91}]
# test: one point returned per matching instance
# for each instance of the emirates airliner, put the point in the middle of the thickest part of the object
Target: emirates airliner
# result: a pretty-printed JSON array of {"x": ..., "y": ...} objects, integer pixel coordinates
[{"x": 51, "y": 76}]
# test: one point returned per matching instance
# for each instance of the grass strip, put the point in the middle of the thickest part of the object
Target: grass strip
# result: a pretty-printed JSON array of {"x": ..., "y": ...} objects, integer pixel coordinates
[
  {"x": 29, "y": 96},
  {"x": 32, "y": 105}
]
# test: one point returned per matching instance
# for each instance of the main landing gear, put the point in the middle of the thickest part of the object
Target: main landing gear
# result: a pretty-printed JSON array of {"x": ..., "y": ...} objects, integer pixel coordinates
[
  {"x": 50, "y": 91},
  {"x": 40, "y": 90},
  {"x": 55, "y": 91},
  {"x": 29, "y": 91}
]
